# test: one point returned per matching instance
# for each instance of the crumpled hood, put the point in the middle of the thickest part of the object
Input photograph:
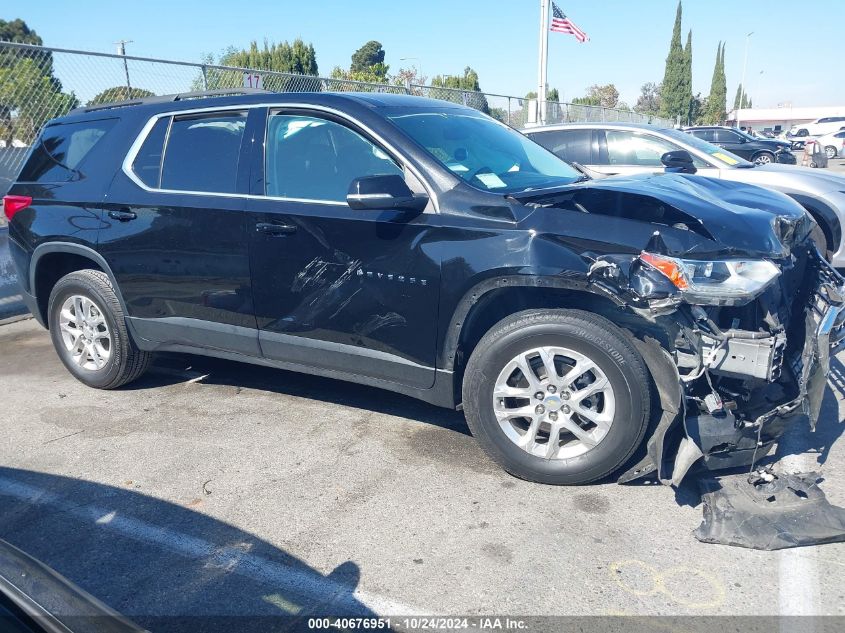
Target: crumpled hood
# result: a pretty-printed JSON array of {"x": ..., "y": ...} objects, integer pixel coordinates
[{"x": 740, "y": 218}]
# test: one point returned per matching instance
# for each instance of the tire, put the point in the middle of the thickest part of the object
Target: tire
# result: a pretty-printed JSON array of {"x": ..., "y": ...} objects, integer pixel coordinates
[
  {"x": 830, "y": 150},
  {"x": 120, "y": 361},
  {"x": 764, "y": 158},
  {"x": 627, "y": 403}
]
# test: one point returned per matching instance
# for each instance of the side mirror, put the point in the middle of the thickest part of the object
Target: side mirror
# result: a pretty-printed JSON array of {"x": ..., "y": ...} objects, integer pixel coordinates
[
  {"x": 384, "y": 193},
  {"x": 678, "y": 161}
]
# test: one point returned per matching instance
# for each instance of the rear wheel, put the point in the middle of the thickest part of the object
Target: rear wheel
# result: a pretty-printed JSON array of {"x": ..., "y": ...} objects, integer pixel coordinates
[
  {"x": 557, "y": 396},
  {"x": 89, "y": 332},
  {"x": 830, "y": 150}
]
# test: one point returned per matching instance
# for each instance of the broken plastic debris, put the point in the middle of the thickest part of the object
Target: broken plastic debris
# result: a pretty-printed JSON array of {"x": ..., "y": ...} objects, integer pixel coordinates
[{"x": 789, "y": 511}]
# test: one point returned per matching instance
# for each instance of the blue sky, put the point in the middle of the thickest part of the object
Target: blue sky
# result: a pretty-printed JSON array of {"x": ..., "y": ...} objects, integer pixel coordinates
[{"x": 629, "y": 38}]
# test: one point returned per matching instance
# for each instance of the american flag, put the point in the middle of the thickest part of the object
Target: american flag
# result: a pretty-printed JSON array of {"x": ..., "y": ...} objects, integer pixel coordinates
[{"x": 562, "y": 24}]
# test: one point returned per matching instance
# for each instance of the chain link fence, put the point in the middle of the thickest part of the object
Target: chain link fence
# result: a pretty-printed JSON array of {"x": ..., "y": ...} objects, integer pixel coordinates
[{"x": 39, "y": 83}]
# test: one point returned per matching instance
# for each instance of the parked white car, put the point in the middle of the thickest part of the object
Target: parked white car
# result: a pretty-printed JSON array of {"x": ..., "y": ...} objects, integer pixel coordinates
[
  {"x": 833, "y": 144},
  {"x": 611, "y": 149},
  {"x": 819, "y": 127}
]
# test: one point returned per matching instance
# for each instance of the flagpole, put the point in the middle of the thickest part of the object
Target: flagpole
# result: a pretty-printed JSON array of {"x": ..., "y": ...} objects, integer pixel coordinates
[{"x": 544, "y": 58}]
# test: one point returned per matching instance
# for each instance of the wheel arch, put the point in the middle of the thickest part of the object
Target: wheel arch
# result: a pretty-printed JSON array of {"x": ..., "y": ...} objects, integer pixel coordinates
[
  {"x": 825, "y": 216},
  {"x": 53, "y": 260},
  {"x": 494, "y": 299}
]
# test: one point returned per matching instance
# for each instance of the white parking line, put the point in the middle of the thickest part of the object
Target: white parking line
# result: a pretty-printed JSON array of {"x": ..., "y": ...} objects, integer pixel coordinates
[
  {"x": 280, "y": 578},
  {"x": 798, "y": 571}
]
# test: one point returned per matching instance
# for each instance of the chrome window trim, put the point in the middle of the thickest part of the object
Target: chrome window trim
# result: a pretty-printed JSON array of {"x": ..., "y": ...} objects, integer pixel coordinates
[{"x": 148, "y": 126}]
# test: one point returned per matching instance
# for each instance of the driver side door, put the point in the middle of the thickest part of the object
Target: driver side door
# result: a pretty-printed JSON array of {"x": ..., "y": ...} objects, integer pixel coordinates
[{"x": 342, "y": 291}]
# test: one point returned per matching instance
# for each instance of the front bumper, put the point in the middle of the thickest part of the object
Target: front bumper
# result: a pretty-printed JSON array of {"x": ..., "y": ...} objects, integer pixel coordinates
[
  {"x": 786, "y": 158},
  {"x": 731, "y": 413}
]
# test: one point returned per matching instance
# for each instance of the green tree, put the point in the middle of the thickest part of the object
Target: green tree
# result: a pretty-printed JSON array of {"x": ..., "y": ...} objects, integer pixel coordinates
[
  {"x": 649, "y": 100},
  {"x": 469, "y": 86},
  {"x": 717, "y": 101},
  {"x": 606, "y": 96},
  {"x": 687, "y": 83},
  {"x": 120, "y": 93},
  {"x": 369, "y": 55},
  {"x": 297, "y": 58},
  {"x": 30, "y": 94},
  {"x": 743, "y": 96},
  {"x": 675, "y": 94},
  {"x": 367, "y": 65}
]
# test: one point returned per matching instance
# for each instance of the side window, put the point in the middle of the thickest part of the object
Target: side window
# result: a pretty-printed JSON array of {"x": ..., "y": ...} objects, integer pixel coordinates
[
  {"x": 202, "y": 152},
  {"x": 60, "y": 150},
  {"x": 633, "y": 148},
  {"x": 147, "y": 163},
  {"x": 316, "y": 159},
  {"x": 705, "y": 135},
  {"x": 727, "y": 136},
  {"x": 570, "y": 145}
]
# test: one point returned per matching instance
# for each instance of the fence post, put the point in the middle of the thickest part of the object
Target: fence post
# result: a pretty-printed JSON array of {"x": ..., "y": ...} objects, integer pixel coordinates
[
  {"x": 509, "y": 110},
  {"x": 408, "y": 86},
  {"x": 204, "y": 78}
]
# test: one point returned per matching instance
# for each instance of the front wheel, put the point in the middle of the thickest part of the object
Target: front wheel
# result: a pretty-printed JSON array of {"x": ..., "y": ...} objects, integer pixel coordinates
[
  {"x": 89, "y": 332},
  {"x": 557, "y": 396},
  {"x": 764, "y": 158}
]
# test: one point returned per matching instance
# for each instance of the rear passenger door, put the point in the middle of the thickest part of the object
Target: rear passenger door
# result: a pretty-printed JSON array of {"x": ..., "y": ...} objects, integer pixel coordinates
[
  {"x": 733, "y": 142},
  {"x": 338, "y": 289},
  {"x": 175, "y": 236}
]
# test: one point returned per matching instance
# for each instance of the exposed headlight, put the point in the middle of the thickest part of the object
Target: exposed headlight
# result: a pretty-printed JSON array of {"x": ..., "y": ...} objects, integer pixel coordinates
[{"x": 715, "y": 282}]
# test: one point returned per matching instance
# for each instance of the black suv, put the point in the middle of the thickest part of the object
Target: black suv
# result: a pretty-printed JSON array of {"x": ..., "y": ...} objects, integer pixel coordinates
[
  {"x": 757, "y": 150},
  {"x": 425, "y": 248}
]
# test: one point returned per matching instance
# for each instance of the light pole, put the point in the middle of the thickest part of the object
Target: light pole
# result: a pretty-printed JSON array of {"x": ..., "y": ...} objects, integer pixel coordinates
[
  {"x": 121, "y": 50},
  {"x": 742, "y": 83}
]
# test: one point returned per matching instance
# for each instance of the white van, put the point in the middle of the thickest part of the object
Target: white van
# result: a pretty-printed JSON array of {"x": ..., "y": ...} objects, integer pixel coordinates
[{"x": 824, "y": 125}]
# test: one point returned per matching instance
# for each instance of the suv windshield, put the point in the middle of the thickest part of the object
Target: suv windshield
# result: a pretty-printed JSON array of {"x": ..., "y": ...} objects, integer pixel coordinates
[
  {"x": 718, "y": 155},
  {"x": 485, "y": 153}
]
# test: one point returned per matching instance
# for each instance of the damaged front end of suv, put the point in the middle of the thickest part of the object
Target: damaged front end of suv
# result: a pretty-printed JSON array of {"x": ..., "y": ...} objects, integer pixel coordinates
[{"x": 743, "y": 312}]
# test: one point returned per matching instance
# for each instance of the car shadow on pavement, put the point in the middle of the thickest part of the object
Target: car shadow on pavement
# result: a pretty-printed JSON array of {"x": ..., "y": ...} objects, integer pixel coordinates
[
  {"x": 176, "y": 368},
  {"x": 165, "y": 566}
]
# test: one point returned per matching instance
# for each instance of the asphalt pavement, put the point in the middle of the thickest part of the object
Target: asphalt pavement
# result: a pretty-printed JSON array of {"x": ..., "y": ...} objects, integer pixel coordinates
[{"x": 211, "y": 487}]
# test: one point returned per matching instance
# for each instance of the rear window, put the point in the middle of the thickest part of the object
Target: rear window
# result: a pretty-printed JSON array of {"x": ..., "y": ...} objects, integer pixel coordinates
[
  {"x": 202, "y": 152},
  {"x": 59, "y": 152},
  {"x": 570, "y": 145}
]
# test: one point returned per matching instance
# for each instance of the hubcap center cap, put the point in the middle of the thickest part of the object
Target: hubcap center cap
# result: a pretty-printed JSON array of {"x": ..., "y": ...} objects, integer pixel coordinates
[{"x": 553, "y": 403}]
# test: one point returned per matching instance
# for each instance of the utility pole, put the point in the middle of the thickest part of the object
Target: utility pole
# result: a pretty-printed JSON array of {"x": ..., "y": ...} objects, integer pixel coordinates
[
  {"x": 121, "y": 50},
  {"x": 742, "y": 83},
  {"x": 544, "y": 60}
]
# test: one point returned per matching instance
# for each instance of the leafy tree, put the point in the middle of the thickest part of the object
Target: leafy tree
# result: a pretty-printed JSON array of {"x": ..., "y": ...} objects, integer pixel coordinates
[
  {"x": 687, "y": 83},
  {"x": 299, "y": 58},
  {"x": 738, "y": 97},
  {"x": 606, "y": 96},
  {"x": 367, "y": 65},
  {"x": 698, "y": 109},
  {"x": 467, "y": 83},
  {"x": 30, "y": 94},
  {"x": 675, "y": 96},
  {"x": 120, "y": 93},
  {"x": 369, "y": 55},
  {"x": 717, "y": 101},
  {"x": 553, "y": 95},
  {"x": 28, "y": 99},
  {"x": 649, "y": 100},
  {"x": 410, "y": 77}
]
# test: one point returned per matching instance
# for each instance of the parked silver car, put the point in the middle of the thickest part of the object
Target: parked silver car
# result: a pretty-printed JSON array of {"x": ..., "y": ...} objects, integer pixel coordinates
[{"x": 627, "y": 148}]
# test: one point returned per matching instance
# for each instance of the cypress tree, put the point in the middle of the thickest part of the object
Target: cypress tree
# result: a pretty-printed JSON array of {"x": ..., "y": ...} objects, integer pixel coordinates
[
  {"x": 710, "y": 115},
  {"x": 687, "y": 84},
  {"x": 720, "y": 107},
  {"x": 674, "y": 97}
]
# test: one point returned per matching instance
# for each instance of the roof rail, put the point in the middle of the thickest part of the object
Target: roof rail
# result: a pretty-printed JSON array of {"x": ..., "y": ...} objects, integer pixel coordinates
[{"x": 182, "y": 96}]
